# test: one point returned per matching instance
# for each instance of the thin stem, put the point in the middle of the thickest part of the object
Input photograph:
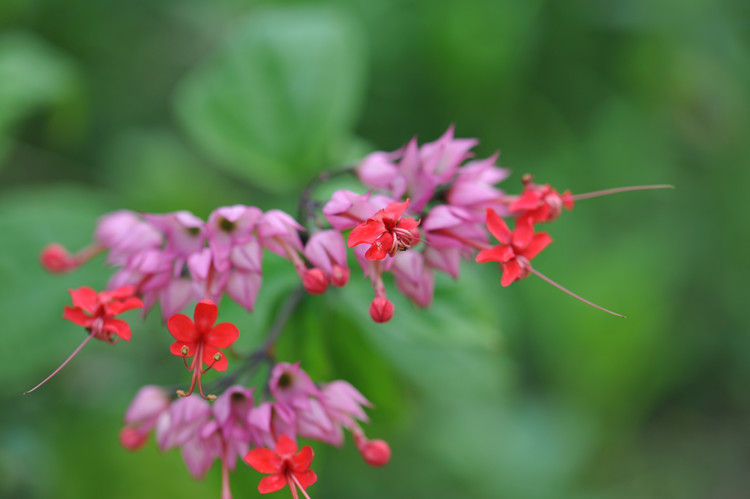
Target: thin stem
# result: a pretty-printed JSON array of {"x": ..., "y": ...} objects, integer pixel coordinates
[
  {"x": 616, "y": 190},
  {"x": 75, "y": 352},
  {"x": 307, "y": 205},
  {"x": 226, "y": 492},
  {"x": 567, "y": 291}
]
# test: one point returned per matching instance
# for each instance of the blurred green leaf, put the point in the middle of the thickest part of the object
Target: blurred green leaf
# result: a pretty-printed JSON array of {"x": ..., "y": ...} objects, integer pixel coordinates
[{"x": 279, "y": 97}]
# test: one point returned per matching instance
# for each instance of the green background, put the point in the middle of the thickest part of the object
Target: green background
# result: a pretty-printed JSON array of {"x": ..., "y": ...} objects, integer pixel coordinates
[{"x": 492, "y": 392}]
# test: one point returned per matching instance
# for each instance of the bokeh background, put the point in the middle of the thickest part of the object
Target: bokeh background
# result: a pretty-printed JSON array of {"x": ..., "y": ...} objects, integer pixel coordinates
[{"x": 519, "y": 392}]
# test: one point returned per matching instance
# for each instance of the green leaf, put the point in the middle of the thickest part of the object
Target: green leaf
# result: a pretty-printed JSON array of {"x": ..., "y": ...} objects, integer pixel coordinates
[{"x": 279, "y": 97}]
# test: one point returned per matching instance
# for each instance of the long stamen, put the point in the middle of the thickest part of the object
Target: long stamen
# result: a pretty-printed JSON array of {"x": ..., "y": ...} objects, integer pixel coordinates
[
  {"x": 616, "y": 190},
  {"x": 292, "y": 483},
  {"x": 296, "y": 482},
  {"x": 75, "y": 352},
  {"x": 567, "y": 291},
  {"x": 196, "y": 368}
]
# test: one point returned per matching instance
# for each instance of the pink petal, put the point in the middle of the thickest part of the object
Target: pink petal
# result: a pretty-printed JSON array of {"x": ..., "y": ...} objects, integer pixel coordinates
[
  {"x": 271, "y": 483},
  {"x": 511, "y": 272},
  {"x": 119, "y": 327},
  {"x": 205, "y": 315},
  {"x": 498, "y": 227},
  {"x": 182, "y": 328},
  {"x": 367, "y": 232},
  {"x": 537, "y": 244}
]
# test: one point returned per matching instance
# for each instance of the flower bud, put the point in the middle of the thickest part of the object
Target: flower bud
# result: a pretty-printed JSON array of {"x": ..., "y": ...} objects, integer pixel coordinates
[
  {"x": 339, "y": 275},
  {"x": 376, "y": 453},
  {"x": 315, "y": 281},
  {"x": 132, "y": 439},
  {"x": 56, "y": 259},
  {"x": 381, "y": 309}
]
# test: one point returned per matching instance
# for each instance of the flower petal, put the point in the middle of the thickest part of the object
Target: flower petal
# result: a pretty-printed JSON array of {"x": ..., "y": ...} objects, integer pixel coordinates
[
  {"x": 528, "y": 200},
  {"x": 205, "y": 315},
  {"x": 380, "y": 248},
  {"x": 271, "y": 483},
  {"x": 182, "y": 328},
  {"x": 208, "y": 358},
  {"x": 537, "y": 244},
  {"x": 303, "y": 459},
  {"x": 285, "y": 446},
  {"x": 119, "y": 327},
  {"x": 407, "y": 223},
  {"x": 498, "y": 227},
  {"x": 176, "y": 348},
  {"x": 500, "y": 253},
  {"x": 77, "y": 316},
  {"x": 394, "y": 210},
  {"x": 306, "y": 478},
  {"x": 263, "y": 460},
  {"x": 85, "y": 298},
  {"x": 511, "y": 272},
  {"x": 366, "y": 232},
  {"x": 222, "y": 335},
  {"x": 118, "y": 307},
  {"x": 523, "y": 232}
]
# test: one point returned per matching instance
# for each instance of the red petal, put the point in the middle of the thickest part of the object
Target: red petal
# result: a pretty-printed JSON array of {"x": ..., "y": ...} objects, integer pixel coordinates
[
  {"x": 208, "y": 358},
  {"x": 117, "y": 294},
  {"x": 498, "y": 227},
  {"x": 271, "y": 484},
  {"x": 222, "y": 335},
  {"x": 306, "y": 478},
  {"x": 523, "y": 232},
  {"x": 528, "y": 200},
  {"x": 285, "y": 446},
  {"x": 408, "y": 223},
  {"x": 568, "y": 200},
  {"x": 380, "y": 248},
  {"x": 367, "y": 232},
  {"x": 119, "y": 327},
  {"x": 205, "y": 315},
  {"x": 118, "y": 307},
  {"x": 263, "y": 460},
  {"x": 395, "y": 210},
  {"x": 77, "y": 316},
  {"x": 303, "y": 459},
  {"x": 176, "y": 348},
  {"x": 511, "y": 272},
  {"x": 85, "y": 298},
  {"x": 500, "y": 253},
  {"x": 537, "y": 244},
  {"x": 182, "y": 328}
]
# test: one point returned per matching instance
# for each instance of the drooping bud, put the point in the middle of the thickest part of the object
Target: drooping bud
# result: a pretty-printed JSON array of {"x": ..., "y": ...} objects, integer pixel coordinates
[
  {"x": 315, "y": 281},
  {"x": 56, "y": 259},
  {"x": 381, "y": 309},
  {"x": 339, "y": 275},
  {"x": 132, "y": 439},
  {"x": 376, "y": 453}
]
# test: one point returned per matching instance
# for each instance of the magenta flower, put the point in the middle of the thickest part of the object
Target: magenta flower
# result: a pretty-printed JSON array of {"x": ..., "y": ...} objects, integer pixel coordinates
[
  {"x": 284, "y": 465},
  {"x": 516, "y": 249},
  {"x": 387, "y": 232},
  {"x": 144, "y": 411}
]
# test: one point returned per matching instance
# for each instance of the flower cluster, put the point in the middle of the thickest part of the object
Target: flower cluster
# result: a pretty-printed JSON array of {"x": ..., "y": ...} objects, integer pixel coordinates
[
  {"x": 228, "y": 428},
  {"x": 421, "y": 210}
]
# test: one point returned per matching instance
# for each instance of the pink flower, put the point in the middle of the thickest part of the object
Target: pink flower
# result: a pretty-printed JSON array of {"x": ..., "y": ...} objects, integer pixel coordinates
[
  {"x": 279, "y": 232},
  {"x": 474, "y": 188},
  {"x": 291, "y": 386},
  {"x": 228, "y": 227},
  {"x": 125, "y": 234},
  {"x": 347, "y": 209},
  {"x": 387, "y": 232},
  {"x": 144, "y": 411},
  {"x": 326, "y": 250},
  {"x": 517, "y": 248},
  {"x": 284, "y": 465},
  {"x": 414, "y": 278}
]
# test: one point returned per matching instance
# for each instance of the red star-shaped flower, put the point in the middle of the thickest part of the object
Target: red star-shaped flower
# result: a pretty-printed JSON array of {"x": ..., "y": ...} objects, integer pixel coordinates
[
  {"x": 285, "y": 465},
  {"x": 201, "y": 340},
  {"x": 541, "y": 203},
  {"x": 386, "y": 231},
  {"x": 516, "y": 248},
  {"x": 96, "y": 311}
]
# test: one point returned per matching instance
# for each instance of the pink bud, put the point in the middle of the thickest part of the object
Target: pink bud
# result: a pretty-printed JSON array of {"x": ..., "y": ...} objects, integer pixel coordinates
[
  {"x": 132, "y": 439},
  {"x": 376, "y": 453},
  {"x": 381, "y": 309},
  {"x": 315, "y": 281},
  {"x": 56, "y": 259},
  {"x": 339, "y": 275}
]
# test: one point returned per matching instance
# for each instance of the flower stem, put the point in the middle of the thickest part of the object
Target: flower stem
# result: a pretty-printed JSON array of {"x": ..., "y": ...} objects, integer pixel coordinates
[
  {"x": 567, "y": 291},
  {"x": 75, "y": 352},
  {"x": 616, "y": 190}
]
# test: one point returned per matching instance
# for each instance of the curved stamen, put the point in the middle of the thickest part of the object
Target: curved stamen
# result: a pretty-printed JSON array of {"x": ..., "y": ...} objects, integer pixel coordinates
[
  {"x": 616, "y": 190},
  {"x": 75, "y": 352},
  {"x": 567, "y": 291}
]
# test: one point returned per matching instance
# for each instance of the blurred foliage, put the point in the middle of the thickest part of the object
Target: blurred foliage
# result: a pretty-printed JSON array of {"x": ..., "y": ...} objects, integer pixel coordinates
[{"x": 520, "y": 392}]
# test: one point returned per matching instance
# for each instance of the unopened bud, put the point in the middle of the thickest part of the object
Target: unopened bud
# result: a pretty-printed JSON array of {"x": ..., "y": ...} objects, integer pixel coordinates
[
  {"x": 56, "y": 259},
  {"x": 381, "y": 309},
  {"x": 376, "y": 453},
  {"x": 132, "y": 439},
  {"x": 339, "y": 275},
  {"x": 315, "y": 281}
]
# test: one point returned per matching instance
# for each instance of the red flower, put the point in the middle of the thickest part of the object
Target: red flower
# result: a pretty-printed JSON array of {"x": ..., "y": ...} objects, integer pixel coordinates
[
  {"x": 541, "y": 203},
  {"x": 95, "y": 311},
  {"x": 285, "y": 465},
  {"x": 202, "y": 340},
  {"x": 387, "y": 232},
  {"x": 517, "y": 247}
]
